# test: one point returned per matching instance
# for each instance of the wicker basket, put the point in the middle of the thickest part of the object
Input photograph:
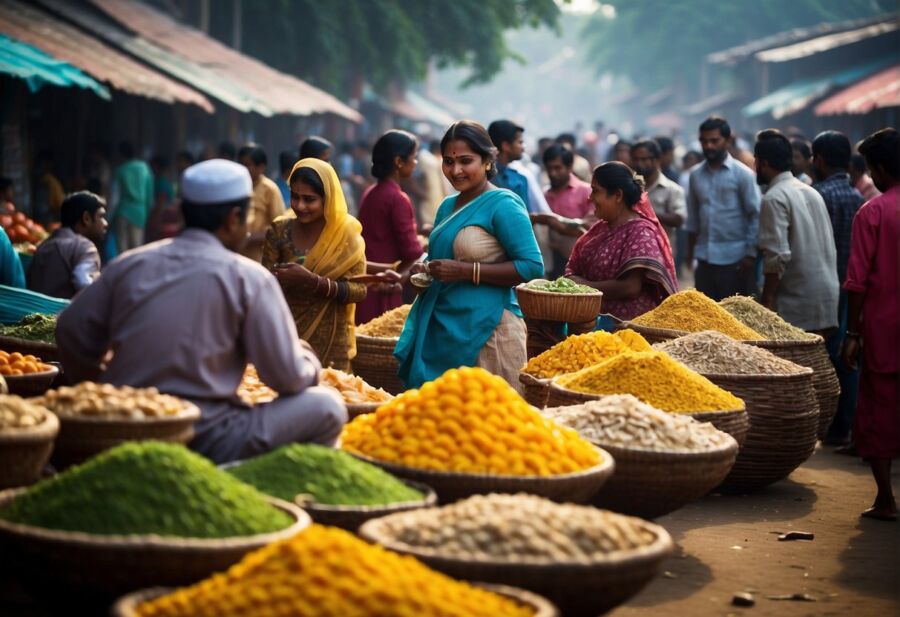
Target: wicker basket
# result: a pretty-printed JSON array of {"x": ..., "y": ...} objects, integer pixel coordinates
[
  {"x": 360, "y": 409},
  {"x": 735, "y": 422},
  {"x": 576, "y": 588},
  {"x": 126, "y": 605},
  {"x": 34, "y": 384},
  {"x": 47, "y": 352},
  {"x": 783, "y": 419},
  {"x": 451, "y": 486},
  {"x": 81, "y": 437},
  {"x": 351, "y": 517},
  {"x": 25, "y": 451},
  {"x": 376, "y": 364},
  {"x": 122, "y": 563},
  {"x": 568, "y": 308},
  {"x": 653, "y": 335},
  {"x": 812, "y": 354},
  {"x": 536, "y": 390},
  {"x": 649, "y": 484}
]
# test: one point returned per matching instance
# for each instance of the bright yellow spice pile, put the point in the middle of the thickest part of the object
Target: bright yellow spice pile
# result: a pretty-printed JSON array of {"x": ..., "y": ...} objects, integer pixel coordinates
[
  {"x": 656, "y": 379},
  {"x": 581, "y": 350},
  {"x": 468, "y": 420},
  {"x": 389, "y": 325},
  {"x": 633, "y": 340},
  {"x": 324, "y": 571},
  {"x": 692, "y": 311}
]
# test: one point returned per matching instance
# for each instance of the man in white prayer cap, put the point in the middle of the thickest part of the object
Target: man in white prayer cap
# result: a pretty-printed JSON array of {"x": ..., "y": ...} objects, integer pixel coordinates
[{"x": 186, "y": 315}]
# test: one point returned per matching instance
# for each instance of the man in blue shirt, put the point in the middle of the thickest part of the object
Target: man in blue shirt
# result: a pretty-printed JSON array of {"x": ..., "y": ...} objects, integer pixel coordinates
[
  {"x": 723, "y": 204},
  {"x": 507, "y": 138}
]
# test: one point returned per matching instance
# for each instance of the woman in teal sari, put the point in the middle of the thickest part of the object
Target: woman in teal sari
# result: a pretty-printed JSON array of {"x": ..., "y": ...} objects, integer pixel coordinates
[{"x": 481, "y": 247}]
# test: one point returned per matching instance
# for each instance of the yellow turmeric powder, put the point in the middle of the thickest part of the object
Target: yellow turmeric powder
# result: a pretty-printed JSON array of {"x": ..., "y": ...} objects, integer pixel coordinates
[
  {"x": 633, "y": 340},
  {"x": 575, "y": 353},
  {"x": 692, "y": 311},
  {"x": 656, "y": 379}
]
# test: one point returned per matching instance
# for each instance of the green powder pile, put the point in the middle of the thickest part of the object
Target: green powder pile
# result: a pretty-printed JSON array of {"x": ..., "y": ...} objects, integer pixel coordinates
[
  {"x": 147, "y": 488},
  {"x": 327, "y": 476},
  {"x": 768, "y": 323},
  {"x": 36, "y": 327},
  {"x": 562, "y": 285}
]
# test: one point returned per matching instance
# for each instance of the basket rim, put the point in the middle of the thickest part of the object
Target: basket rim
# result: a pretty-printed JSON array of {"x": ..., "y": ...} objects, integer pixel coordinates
[
  {"x": 804, "y": 372},
  {"x": 28, "y": 342},
  {"x": 815, "y": 339},
  {"x": 376, "y": 339},
  {"x": 51, "y": 372},
  {"x": 537, "y": 292},
  {"x": 717, "y": 412},
  {"x": 190, "y": 412},
  {"x": 720, "y": 451},
  {"x": 46, "y": 430},
  {"x": 429, "y": 499},
  {"x": 369, "y": 404},
  {"x": 606, "y": 464},
  {"x": 301, "y": 520},
  {"x": 661, "y": 545},
  {"x": 526, "y": 378}
]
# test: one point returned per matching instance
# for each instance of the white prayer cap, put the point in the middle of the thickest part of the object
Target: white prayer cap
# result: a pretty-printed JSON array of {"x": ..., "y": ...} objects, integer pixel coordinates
[{"x": 216, "y": 181}]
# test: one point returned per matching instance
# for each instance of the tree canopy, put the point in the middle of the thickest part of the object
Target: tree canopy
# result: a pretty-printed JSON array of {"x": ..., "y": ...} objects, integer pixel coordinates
[
  {"x": 657, "y": 41},
  {"x": 332, "y": 43}
]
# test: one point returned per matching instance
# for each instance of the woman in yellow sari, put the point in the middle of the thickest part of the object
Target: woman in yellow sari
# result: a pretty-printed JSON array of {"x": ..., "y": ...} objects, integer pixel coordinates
[{"x": 313, "y": 251}]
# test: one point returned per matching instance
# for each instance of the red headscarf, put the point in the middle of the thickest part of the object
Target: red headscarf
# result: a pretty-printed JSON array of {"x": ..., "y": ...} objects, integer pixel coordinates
[{"x": 645, "y": 209}]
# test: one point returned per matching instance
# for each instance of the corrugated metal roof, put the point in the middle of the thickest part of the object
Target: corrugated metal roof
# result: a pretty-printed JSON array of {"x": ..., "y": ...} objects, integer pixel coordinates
[
  {"x": 732, "y": 55},
  {"x": 209, "y": 82},
  {"x": 281, "y": 92},
  {"x": 52, "y": 36},
  {"x": 39, "y": 69},
  {"x": 878, "y": 91},
  {"x": 827, "y": 42}
]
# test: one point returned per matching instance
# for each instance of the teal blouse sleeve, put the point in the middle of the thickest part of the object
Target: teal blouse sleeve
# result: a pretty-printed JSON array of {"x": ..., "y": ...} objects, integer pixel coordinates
[
  {"x": 11, "y": 271},
  {"x": 512, "y": 228}
]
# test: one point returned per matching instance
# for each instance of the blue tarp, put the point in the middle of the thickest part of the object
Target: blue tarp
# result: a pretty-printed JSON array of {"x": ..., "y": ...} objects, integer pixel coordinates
[{"x": 39, "y": 69}]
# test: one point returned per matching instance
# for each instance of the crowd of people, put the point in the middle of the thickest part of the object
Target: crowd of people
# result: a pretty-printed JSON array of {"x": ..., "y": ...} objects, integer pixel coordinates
[{"x": 811, "y": 229}]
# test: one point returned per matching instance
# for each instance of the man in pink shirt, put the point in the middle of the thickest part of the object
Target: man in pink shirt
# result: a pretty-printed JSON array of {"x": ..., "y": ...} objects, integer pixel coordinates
[
  {"x": 873, "y": 288},
  {"x": 569, "y": 198}
]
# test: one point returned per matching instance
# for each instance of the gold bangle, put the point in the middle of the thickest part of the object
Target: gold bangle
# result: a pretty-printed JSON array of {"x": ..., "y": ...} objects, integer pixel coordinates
[{"x": 477, "y": 273}]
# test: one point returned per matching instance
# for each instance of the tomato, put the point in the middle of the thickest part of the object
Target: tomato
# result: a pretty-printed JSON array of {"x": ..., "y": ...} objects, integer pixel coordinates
[
  {"x": 19, "y": 217},
  {"x": 8, "y": 207},
  {"x": 6, "y": 221},
  {"x": 20, "y": 233}
]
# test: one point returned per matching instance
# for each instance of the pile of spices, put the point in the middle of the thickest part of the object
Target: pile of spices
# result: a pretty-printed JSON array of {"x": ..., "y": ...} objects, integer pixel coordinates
[
  {"x": 713, "y": 353},
  {"x": 623, "y": 421},
  {"x": 468, "y": 420},
  {"x": 562, "y": 285},
  {"x": 389, "y": 325},
  {"x": 768, "y": 323},
  {"x": 656, "y": 379},
  {"x": 323, "y": 475},
  {"x": 633, "y": 340},
  {"x": 692, "y": 311},
  {"x": 324, "y": 571},
  {"x": 16, "y": 412},
  {"x": 95, "y": 399},
  {"x": 36, "y": 327},
  {"x": 518, "y": 528},
  {"x": 147, "y": 488},
  {"x": 575, "y": 353},
  {"x": 352, "y": 388}
]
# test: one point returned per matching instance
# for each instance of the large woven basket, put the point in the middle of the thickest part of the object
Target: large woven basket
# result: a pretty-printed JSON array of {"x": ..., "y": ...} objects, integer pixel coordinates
[
  {"x": 535, "y": 390},
  {"x": 812, "y": 354},
  {"x": 735, "y": 422},
  {"x": 653, "y": 335},
  {"x": 25, "y": 451},
  {"x": 351, "y": 517},
  {"x": 47, "y": 352},
  {"x": 784, "y": 416},
  {"x": 650, "y": 484},
  {"x": 450, "y": 486},
  {"x": 126, "y": 605},
  {"x": 569, "y": 308},
  {"x": 34, "y": 384},
  {"x": 578, "y": 589},
  {"x": 122, "y": 563},
  {"x": 81, "y": 437},
  {"x": 376, "y": 364}
]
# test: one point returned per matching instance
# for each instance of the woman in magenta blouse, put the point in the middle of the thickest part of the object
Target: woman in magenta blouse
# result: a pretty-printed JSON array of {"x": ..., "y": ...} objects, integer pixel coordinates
[{"x": 388, "y": 219}]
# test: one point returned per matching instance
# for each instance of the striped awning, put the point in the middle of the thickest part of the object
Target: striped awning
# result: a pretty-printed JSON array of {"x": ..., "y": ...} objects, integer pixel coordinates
[
  {"x": 39, "y": 69},
  {"x": 875, "y": 92}
]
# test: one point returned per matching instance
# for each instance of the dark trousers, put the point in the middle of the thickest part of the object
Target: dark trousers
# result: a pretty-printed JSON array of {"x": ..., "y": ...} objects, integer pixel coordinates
[
  {"x": 849, "y": 378},
  {"x": 719, "y": 282}
]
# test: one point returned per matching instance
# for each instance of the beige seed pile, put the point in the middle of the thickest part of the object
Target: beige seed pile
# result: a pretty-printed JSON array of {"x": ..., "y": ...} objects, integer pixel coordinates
[
  {"x": 713, "y": 353},
  {"x": 624, "y": 421},
  {"x": 518, "y": 527},
  {"x": 16, "y": 412},
  {"x": 96, "y": 399},
  {"x": 768, "y": 323}
]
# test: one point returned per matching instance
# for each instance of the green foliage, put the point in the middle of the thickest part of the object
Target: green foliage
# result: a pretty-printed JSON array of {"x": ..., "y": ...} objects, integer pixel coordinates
[
  {"x": 656, "y": 41},
  {"x": 332, "y": 43}
]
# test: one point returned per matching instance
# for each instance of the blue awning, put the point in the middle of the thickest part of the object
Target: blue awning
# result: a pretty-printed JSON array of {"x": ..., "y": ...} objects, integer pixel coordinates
[
  {"x": 799, "y": 94},
  {"x": 39, "y": 69}
]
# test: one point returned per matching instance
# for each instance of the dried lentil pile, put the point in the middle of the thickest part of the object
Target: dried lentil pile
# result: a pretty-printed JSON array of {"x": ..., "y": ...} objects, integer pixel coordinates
[
  {"x": 768, "y": 323},
  {"x": 323, "y": 572},
  {"x": 389, "y": 325},
  {"x": 147, "y": 488},
  {"x": 624, "y": 421},
  {"x": 518, "y": 528},
  {"x": 325, "y": 475},
  {"x": 713, "y": 353},
  {"x": 471, "y": 421},
  {"x": 656, "y": 379},
  {"x": 692, "y": 311},
  {"x": 16, "y": 412}
]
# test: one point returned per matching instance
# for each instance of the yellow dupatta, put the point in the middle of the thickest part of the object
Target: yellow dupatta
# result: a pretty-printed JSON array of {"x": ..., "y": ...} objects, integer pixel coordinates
[{"x": 340, "y": 246}]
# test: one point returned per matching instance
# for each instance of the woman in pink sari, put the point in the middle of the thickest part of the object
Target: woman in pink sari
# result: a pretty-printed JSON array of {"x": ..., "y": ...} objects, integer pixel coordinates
[{"x": 626, "y": 254}]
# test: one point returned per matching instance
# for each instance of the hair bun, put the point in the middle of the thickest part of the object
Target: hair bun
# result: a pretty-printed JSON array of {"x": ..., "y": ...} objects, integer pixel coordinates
[{"x": 639, "y": 181}]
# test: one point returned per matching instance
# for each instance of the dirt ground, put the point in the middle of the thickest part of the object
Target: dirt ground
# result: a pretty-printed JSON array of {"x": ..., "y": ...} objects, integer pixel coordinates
[{"x": 728, "y": 544}]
